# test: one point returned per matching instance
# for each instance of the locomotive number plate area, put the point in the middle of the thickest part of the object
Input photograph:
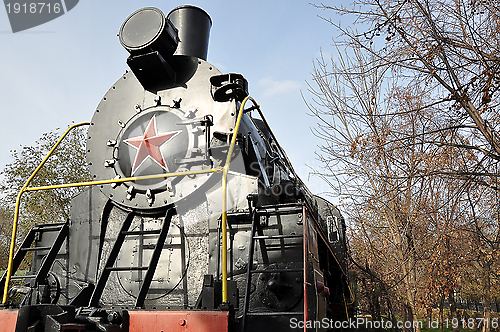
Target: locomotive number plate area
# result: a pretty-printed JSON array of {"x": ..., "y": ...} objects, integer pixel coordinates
[{"x": 136, "y": 252}]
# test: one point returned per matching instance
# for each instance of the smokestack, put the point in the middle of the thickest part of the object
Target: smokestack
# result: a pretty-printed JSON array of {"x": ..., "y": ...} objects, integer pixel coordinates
[{"x": 193, "y": 25}]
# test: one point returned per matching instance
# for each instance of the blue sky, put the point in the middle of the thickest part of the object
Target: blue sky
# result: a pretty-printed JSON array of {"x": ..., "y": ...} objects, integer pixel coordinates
[{"x": 57, "y": 73}]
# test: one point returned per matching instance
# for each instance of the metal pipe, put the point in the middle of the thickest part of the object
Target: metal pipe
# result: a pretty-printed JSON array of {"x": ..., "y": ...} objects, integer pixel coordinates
[
  {"x": 18, "y": 201},
  {"x": 224, "y": 197},
  {"x": 120, "y": 180},
  {"x": 305, "y": 231}
]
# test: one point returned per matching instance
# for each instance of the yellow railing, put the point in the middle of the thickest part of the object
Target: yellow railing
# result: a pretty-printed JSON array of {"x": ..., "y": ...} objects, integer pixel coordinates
[
  {"x": 224, "y": 171},
  {"x": 224, "y": 197},
  {"x": 16, "y": 211}
]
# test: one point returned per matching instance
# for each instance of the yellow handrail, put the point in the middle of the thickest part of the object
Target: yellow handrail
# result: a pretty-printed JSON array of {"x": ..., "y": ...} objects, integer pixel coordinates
[
  {"x": 345, "y": 305},
  {"x": 224, "y": 171},
  {"x": 224, "y": 194},
  {"x": 120, "y": 180},
  {"x": 18, "y": 201},
  {"x": 25, "y": 188}
]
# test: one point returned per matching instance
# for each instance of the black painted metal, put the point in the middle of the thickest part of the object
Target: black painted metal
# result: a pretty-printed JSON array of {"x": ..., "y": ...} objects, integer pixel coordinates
[
  {"x": 25, "y": 247},
  {"x": 281, "y": 236},
  {"x": 207, "y": 296},
  {"x": 151, "y": 69},
  {"x": 83, "y": 297},
  {"x": 183, "y": 261},
  {"x": 193, "y": 25},
  {"x": 101, "y": 283},
  {"x": 51, "y": 256},
  {"x": 35, "y": 249},
  {"x": 229, "y": 86},
  {"x": 208, "y": 122},
  {"x": 202, "y": 103},
  {"x": 248, "y": 283},
  {"x": 262, "y": 245},
  {"x": 143, "y": 232},
  {"x": 127, "y": 268},
  {"x": 148, "y": 30},
  {"x": 18, "y": 258},
  {"x": 257, "y": 234},
  {"x": 26, "y": 276},
  {"x": 155, "y": 257},
  {"x": 278, "y": 270},
  {"x": 106, "y": 212}
]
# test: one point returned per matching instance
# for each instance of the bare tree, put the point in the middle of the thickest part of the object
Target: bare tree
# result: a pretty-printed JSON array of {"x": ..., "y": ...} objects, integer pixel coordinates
[
  {"x": 408, "y": 111},
  {"x": 378, "y": 158},
  {"x": 451, "y": 47}
]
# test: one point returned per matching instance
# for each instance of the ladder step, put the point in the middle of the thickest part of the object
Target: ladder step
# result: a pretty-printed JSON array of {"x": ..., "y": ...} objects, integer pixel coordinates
[
  {"x": 35, "y": 248},
  {"x": 278, "y": 211},
  {"x": 277, "y": 270},
  {"x": 165, "y": 246},
  {"x": 155, "y": 231},
  {"x": 50, "y": 228},
  {"x": 266, "y": 237},
  {"x": 59, "y": 224},
  {"x": 278, "y": 246},
  {"x": 23, "y": 277},
  {"x": 125, "y": 268}
]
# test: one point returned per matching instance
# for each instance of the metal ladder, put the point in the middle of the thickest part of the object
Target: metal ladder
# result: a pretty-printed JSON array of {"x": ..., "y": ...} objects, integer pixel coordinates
[
  {"x": 256, "y": 228},
  {"x": 150, "y": 269},
  {"x": 33, "y": 236}
]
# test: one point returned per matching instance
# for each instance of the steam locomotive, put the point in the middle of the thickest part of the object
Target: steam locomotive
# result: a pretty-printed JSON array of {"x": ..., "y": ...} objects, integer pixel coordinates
[{"x": 195, "y": 220}]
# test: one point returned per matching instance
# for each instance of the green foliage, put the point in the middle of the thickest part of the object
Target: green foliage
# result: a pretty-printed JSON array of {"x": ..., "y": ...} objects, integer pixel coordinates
[
  {"x": 66, "y": 165},
  {"x": 5, "y": 231}
]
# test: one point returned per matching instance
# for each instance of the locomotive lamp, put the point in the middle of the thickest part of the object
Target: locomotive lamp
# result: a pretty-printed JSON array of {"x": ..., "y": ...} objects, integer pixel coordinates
[
  {"x": 152, "y": 39},
  {"x": 147, "y": 30}
]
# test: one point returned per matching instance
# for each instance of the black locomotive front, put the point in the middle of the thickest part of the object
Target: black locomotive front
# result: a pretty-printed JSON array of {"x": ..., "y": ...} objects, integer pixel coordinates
[{"x": 147, "y": 252}]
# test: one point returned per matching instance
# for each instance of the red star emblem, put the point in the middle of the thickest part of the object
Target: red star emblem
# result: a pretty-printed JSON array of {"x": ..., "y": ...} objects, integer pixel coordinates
[{"x": 148, "y": 145}]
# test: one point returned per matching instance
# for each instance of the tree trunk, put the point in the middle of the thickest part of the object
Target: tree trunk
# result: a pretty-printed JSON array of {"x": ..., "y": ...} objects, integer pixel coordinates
[
  {"x": 441, "y": 313},
  {"x": 429, "y": 317},
  {"x": 453, "y": 309},
  {"x": 391, "y": 314},
  {"x": 486, "y": 297},
  {"x": 411, "y": 316},
  {"x": 405, "y": 315},
  {"x": 376, "y": 306}
]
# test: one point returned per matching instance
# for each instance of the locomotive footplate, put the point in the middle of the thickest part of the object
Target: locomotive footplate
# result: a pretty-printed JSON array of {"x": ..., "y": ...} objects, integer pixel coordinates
[{"x": 55, "y": 318}]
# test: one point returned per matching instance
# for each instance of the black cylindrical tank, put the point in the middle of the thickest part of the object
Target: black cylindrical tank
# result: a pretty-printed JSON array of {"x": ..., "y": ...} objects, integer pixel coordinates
[{"x": 193, "y": 25}]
